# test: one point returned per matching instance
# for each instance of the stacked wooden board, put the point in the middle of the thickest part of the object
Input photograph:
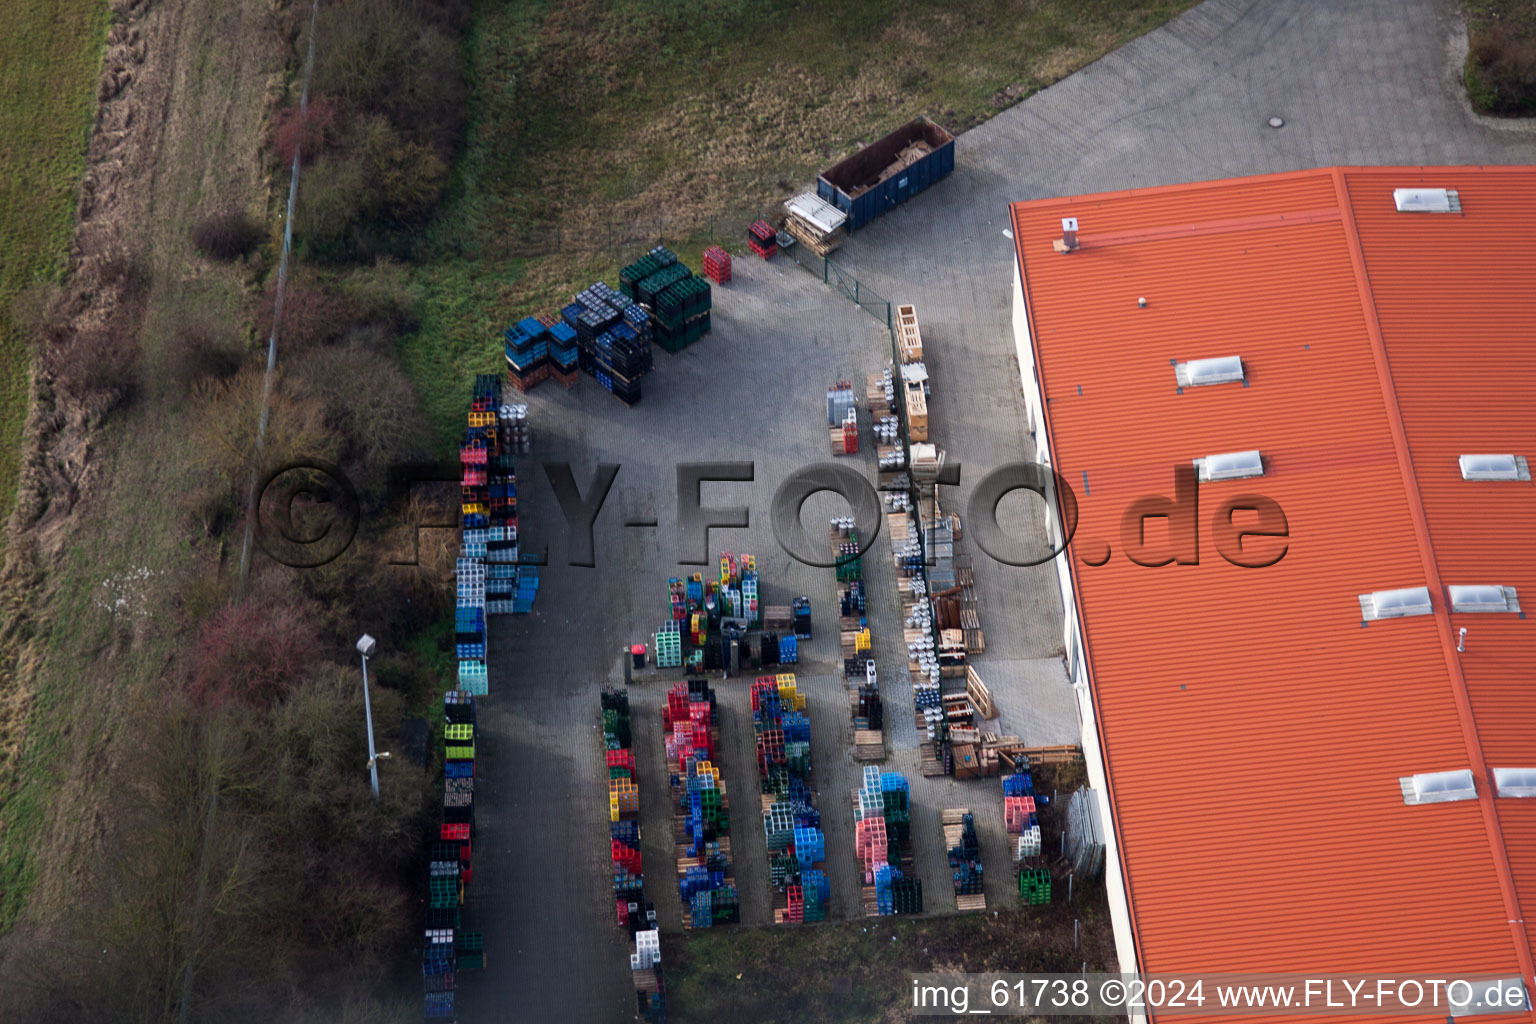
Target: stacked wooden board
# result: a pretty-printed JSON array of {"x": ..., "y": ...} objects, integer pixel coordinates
[{"x": 815, "y": 223}]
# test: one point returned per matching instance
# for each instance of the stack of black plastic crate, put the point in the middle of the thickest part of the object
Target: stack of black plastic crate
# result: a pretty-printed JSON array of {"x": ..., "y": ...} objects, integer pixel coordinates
[{"x": 612, "y": 338}]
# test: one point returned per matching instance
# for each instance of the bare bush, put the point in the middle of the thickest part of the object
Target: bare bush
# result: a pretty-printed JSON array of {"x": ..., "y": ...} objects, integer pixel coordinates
[
  {"x": 1502, "y": 71},
  {"x": 312, "y": 315},
  {"x": 305, "y": 133},
  {"x": 226, "y": 235},
  {"x": 98, "y": 362},
  {"x": 371, "y": 406},
  {"x": 254, "y": 653},
  {"x": 336, "y": 197},
  {"x": 225, "y": 419},
  {"x": 406, "y": 178}
]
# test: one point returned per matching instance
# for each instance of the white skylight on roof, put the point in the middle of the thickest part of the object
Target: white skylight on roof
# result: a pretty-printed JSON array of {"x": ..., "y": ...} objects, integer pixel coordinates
[
  {"x": 1230, "y": 466},
  {"x": 1494, "y": 467},
  {"x": 1483, "y": 598},
  {"x": 1199, "y": 372},
  {"x": 1437, "y": 787},
  {"x": 1515, "y": 781},
  {"x": 1396, "y": 604},
  {"x": 1477, "y": 997},
  {"x": 1426, "y": 200}
]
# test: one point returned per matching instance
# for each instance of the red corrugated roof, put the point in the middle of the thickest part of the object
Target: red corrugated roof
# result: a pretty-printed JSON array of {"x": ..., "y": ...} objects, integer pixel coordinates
[{"x": 1254, "y": 730}]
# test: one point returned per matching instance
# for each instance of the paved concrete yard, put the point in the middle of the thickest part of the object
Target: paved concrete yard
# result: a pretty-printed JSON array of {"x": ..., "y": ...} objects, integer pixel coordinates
[
  {"x": 754, "y": 389},
  {"x": 1361, "y": 82}
]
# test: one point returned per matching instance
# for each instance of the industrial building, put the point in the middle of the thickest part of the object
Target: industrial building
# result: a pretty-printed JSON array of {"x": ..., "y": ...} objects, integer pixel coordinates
[{"x": 1311, "y": 745}]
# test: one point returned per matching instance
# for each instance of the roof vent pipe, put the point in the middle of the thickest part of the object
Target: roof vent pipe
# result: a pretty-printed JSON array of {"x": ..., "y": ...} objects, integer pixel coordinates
[{"x": 1068, "y": 240}]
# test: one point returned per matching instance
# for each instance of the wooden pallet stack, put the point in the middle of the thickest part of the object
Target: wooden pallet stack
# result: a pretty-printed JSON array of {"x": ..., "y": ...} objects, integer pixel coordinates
[
  {"x": 815, "y": 223},
  {"x": 909, "y": 338}
]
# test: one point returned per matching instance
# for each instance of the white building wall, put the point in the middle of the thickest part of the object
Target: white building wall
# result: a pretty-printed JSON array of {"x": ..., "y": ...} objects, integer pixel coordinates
[{"x": 1072, "y": 641}]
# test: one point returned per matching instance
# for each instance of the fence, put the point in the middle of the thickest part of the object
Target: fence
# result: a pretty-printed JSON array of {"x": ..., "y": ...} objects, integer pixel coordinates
[
  {"x": 865, "y": 297},
  {"x": 622, "y": 237}
]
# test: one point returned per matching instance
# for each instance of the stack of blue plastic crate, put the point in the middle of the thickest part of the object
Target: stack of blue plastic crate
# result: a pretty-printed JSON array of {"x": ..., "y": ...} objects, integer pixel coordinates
[{"x": 527, "y": 349}]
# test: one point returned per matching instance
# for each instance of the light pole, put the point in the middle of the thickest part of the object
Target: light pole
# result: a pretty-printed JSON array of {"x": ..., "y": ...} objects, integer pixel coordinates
[{"x": 365, "y": 646}]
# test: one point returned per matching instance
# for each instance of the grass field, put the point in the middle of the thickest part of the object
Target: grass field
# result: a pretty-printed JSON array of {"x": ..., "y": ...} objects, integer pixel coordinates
[
  {"x": 50, "y": 51},
  {"x": 601, "y": 128}
]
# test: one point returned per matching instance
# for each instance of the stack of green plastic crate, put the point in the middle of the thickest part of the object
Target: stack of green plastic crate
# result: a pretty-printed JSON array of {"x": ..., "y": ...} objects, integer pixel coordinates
[
  {"x": 657, "y": 259},
  {"x": 669, "y": 646},
  {"x": 1035, "y": 885}
]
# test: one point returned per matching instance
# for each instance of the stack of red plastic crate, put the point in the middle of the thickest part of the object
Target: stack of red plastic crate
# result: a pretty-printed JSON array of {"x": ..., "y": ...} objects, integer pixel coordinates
[
  {"x": 717, "y": 264},
  {"x": 687, "y": 728},
  {"x": 762, "y": 239},
  {"x": 795, "y": 912},
  {"x": 872, "y": 846},
  {"x": 1016, "y": 812}
]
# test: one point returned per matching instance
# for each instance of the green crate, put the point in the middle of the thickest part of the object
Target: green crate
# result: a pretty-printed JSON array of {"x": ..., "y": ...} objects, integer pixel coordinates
[
  {"x": 1035, "y": 885},
  {"x": 651, "y": 287},
  {"x": 669, "y": 650},
  {"x": 445, "y": 892},
  {"x": 637, "y": 271}
]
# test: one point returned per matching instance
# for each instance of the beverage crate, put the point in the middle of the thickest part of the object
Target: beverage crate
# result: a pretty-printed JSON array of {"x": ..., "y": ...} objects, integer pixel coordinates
[
  {"x": 669, "y": 646},
  {"x": 1018, "y": 784},
  {"x": 657, "y": 259},
  {"x": 469, "y": 950},
  {"x": 789, "y": 649},
  {"x": 763, "y": 239},
  {"x": 647, "y": 290},
  {"x": 473, "y": 677},
  {"x": 1035, "y": 885},
  {"x": 717, "y": 264}
]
